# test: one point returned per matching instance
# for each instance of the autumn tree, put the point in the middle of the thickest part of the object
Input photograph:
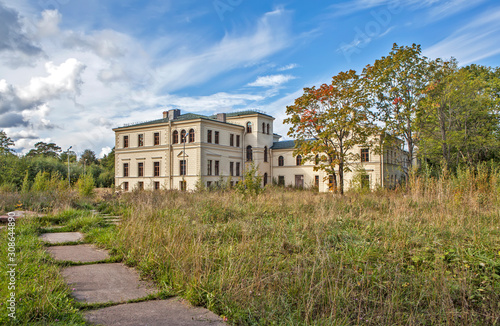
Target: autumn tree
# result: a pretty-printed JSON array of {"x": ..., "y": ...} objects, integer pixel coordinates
[
  {"x": 395, "y": 84},
  {"x": 329, "y": 121}
]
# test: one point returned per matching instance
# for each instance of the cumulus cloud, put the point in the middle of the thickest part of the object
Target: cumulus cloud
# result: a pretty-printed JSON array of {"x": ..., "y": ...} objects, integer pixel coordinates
[
  {"x": 104, "y": 151},
  {"x": 12, "y": 37},
  {"x": 49, "y": 24},
  {"x": 19, "y": 104},
  {"x": 271, "y": 81}
]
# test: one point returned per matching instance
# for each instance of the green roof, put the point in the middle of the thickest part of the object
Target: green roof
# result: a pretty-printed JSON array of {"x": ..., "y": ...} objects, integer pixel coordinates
[
  {"x": 285, "y": 144},
  {"x": 193, "y": 116}
]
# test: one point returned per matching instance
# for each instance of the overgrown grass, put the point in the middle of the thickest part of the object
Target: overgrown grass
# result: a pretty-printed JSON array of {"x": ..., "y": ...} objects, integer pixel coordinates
[
  {"x": 426, "y": 255},
  {"x": 429, "y": 255}
]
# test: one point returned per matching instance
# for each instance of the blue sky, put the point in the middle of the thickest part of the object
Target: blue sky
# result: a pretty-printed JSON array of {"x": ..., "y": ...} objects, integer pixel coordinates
[{"x": 72, "y": 70}]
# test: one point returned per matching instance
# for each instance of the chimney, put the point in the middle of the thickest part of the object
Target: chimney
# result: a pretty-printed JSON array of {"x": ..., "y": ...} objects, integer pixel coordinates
[
  {"x": 173, "y": 114},
  {"x": 165, "y": 114},
  {"x": 221, "y": 117}
]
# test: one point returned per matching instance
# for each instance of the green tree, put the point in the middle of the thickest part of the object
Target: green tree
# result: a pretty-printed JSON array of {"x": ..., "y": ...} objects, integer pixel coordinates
[
  {"x": 459, "y": 119},
  {"x": 45, "y": 149},
  {"x": 329, "y": 121},
  {"x": 395, "y": 84},
  {"x": 64, "y": 156},
  {"x": 5, "y": 144},
  {"x": 88, "y": 158}
]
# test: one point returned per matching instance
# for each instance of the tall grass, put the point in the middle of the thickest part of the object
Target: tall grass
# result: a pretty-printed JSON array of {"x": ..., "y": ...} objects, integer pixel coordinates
[{"x": 429, "y": 254}]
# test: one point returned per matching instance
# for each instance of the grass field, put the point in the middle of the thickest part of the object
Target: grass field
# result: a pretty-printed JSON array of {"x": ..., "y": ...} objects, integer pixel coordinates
[{"x": 427, "y": 255}]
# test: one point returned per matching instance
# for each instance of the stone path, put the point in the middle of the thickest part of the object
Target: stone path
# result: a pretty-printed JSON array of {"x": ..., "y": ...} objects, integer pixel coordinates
[{"x": 117, "y": 283}]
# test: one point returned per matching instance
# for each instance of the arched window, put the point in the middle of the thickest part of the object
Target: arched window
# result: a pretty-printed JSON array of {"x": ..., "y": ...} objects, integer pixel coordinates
[
  {"x": 265, "y": 154},
  {"x": 263, "y": 128},
  {"x": 183, "y": 136},
  {"x": 175, "y": 137},
  {"x": 268, "y": 128},
  {"x": 249, "y": 153},
  {"x": 281, "y": 161},
  {"x": 191, "y": 135},
  {"x": 249, "y": 127},
  {"x": 299, "y": 159},
  {"x": 316, "y": 159},
  {"x": 265, "y": 179}
]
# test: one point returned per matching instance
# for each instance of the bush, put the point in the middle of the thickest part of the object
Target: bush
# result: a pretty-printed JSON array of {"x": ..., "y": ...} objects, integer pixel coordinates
[
  {"x": 86, "y": 185},
  {"x": 252, "y": 180}
]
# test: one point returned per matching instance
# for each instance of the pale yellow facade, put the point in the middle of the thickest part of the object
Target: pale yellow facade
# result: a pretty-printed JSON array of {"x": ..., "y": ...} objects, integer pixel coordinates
[{"x": 153, "y": 155}]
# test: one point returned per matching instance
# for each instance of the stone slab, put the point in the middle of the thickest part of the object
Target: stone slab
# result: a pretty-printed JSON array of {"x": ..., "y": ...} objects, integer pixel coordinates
[
  {"x": 172, "y": 312},
  {"x": 105, "y": 283},
  {"x": 79, "y": 254},
  {"x": 61, "y": 237}
]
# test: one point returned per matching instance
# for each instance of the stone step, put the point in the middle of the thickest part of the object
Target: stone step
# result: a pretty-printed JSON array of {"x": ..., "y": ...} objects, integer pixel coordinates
[
  {"x": 172, "y": 312},
  {"x": 102, "y": 283},
  {"x": 61, "y": 237},
  {"x": 79, "y": 254}
]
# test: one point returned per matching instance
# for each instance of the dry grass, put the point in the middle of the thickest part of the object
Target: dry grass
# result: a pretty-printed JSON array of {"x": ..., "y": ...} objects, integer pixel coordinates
[{"x": 429, "y": 255}]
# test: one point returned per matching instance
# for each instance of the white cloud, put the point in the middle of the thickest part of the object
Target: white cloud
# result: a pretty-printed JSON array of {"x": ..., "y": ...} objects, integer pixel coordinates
[
  {"x": 477, "y": 40},
  {"x": 49, "y": 24},
  {"x": 288, "y": 67},
  {"x": 271, "y": 81},
  {"x": 104, "y": 151}
]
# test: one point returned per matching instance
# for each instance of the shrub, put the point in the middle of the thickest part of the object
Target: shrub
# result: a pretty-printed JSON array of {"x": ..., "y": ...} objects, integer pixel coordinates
[{"x": 86, "y": 185}]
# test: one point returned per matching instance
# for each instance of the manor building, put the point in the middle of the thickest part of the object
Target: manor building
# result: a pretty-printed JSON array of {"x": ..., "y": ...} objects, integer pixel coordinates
[{"x": 181, "y": 150}]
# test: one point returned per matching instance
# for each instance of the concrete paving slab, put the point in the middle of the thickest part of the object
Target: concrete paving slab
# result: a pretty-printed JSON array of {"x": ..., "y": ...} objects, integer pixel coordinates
[
  {"x": 61, "y": 237},
  {"x": 172, "y": 312},
  {"x": 79, "y": 253},
  {"x": 105, "y": 283}
]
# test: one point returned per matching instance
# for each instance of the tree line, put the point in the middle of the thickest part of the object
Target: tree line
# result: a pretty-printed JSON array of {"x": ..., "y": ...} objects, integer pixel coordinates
[
  {"x": 441, "y": 114},
  {"x": 46, "y": 165}
]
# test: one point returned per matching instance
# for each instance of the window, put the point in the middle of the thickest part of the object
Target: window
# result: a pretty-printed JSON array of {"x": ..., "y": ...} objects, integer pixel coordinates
[
  {"x": 281, "y": 180},
  {"x": 237, "y": 140},
  {"x": 156, "y": 169},
  {"x": 249, "y": 127},
  {"x": 209, "y": 136},
  {"x": 125, "y": 186},
  {"x": 365, "y": 181},
  {"x": 237, "y": 169},
  {"x": 263, "y": 128},
  {"x": 182, "y": 185},
  {"x": 157, "y": 138},
  {"x": 298, "y": 159},
  {"x": 268, "y": 128},
  {"x": 265, "y": 154},
  {"x": 125, "y": 141},
  {"x": 125, "y": 169},
  {"x": 157, "y": 185},
  {"x": 265, "y": 179},
  {"x": 249, "y": 153},
  {"x": 316, "y": 159},
  {"x": 209, "y": 167},
  {"x": 231, "y": 140},
  {"x": 216, "y": 167},
  {"x": 209, "y": 184},
  {"x": 182, "y": 167},
  {"x": 183, "y": 136},
  {"x": 316, "y": 181},
  {"x": 216, "y": 137},
  {"x": 140, "y": 140},
  {"x": 140, "y": 169},
  {"x": 140, "y": 185},
  {"x": 281, "y": 161},
  {"x": 191, "y": 135},
  {"x": 365, "y": 155},
  {"x": 175, "y": 137},
  {"x": 299, "y": 181},
  {"x": 231, "y": 168},
  {"x": 331, "y": 182}
]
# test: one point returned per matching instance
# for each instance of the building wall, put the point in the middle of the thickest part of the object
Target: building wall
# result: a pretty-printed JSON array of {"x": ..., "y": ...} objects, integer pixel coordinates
[{"x": 384, "y": 170}]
